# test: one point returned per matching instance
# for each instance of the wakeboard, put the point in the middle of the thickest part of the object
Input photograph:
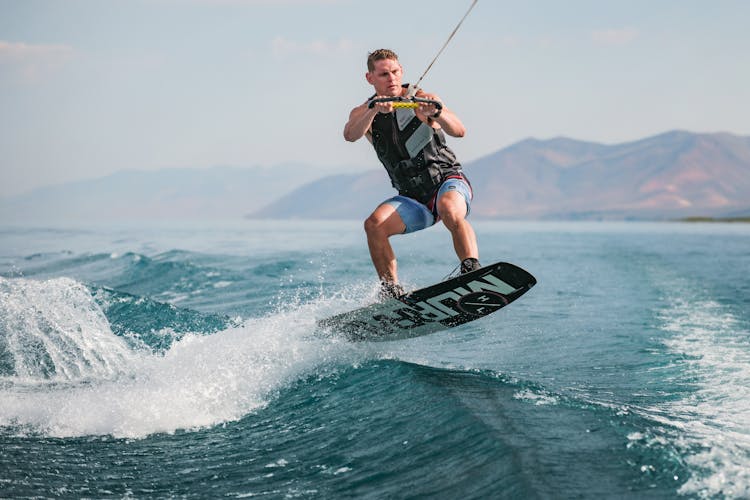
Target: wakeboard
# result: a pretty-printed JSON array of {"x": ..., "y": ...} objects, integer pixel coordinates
[{"x": 450, "y": 303}]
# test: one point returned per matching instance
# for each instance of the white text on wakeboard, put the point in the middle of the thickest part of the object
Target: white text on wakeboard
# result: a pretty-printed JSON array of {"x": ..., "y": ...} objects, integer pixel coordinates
[{"x": 442, "y": 308}]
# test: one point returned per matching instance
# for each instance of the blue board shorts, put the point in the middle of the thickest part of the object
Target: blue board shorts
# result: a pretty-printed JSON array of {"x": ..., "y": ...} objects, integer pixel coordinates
[{"x": 417, "y": 216}]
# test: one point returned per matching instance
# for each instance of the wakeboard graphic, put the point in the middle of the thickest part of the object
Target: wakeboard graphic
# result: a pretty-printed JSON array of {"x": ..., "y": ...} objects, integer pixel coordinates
[{"x": 450, "y": 303}]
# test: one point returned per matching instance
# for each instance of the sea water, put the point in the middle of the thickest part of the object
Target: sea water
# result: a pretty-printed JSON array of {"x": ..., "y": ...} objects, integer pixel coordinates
[{"x": 183, "y": 360}]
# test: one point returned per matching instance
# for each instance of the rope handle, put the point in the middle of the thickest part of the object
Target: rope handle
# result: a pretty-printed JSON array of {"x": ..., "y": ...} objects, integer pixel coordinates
[{"x": 405, "y": 102}]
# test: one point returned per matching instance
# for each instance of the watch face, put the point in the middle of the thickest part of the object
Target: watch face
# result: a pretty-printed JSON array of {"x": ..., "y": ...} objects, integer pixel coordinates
[{"x": 481, "y": 303}]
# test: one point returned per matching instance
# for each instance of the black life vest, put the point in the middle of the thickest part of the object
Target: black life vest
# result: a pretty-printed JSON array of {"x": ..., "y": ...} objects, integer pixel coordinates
[{"x": 415, "y": 155}]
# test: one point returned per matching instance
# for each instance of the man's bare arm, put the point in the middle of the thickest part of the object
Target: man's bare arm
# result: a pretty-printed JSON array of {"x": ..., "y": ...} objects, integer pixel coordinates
[
  {"x": 446, "y": 119},
  {"x": 359, "y": 122}
]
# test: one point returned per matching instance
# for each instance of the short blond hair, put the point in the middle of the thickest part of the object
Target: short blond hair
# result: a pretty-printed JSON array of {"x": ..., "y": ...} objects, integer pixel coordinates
[{"x": 379, "y": 55}]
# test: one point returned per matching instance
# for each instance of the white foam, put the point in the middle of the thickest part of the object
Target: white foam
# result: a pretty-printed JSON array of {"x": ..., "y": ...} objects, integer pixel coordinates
[
  {"x": 53, "y": 330},
  {"x": 714, "y": 421},
  {"x": 536, "y": 397},
  {"x": 201, "y": 381}
]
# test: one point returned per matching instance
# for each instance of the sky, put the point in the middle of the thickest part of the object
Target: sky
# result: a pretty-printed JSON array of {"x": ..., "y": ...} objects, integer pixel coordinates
[{"x": 90, "y": 87}]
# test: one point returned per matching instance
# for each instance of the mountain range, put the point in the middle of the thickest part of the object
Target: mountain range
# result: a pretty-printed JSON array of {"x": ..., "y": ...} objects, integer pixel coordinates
[
  {"x": 672, "y": 175},
  {"x": 172, "y": 193}
]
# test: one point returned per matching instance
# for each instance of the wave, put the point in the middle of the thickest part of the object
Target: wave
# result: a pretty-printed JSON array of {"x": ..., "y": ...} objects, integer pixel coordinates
[
  {"x": 217, "y": 283},
  {"x": 176, "y": 274},
  {"x": 153, "y": 324},
  {"x": 54, "y": 330},
  {"x": 65, "y": 371}
]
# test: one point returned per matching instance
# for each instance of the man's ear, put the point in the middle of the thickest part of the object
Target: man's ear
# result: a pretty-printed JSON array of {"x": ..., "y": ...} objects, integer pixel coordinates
[{"x": 368, "y": 77}]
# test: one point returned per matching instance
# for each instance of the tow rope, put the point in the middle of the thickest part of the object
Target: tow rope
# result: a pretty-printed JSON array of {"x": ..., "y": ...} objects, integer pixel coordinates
[{"x": 413, "y": 88}]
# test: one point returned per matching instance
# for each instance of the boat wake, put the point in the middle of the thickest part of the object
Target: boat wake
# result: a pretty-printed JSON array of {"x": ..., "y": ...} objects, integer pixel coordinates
[{"x": 67, "y": 370}]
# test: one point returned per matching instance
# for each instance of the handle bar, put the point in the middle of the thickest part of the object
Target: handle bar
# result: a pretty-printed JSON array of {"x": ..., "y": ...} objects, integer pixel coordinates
[{"x": 405, "y": 102}]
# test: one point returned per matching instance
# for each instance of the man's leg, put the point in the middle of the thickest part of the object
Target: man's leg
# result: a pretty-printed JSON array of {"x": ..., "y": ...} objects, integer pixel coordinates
[
  {"x": 452, "y": 207},
  {"x": 383, "y": 223}
]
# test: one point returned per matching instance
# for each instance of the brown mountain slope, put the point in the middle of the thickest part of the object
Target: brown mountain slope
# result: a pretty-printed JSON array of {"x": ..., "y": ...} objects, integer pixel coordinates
[{"x": 675, "y": 174}]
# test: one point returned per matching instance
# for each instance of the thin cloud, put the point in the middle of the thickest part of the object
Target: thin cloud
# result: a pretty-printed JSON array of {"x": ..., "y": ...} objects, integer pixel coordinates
[
  {"x": 281, "y": 46},
  {"x": 614, "y": 37},
  {"x": 31, "y": 62},
  {"x": 257, "y": 3}
]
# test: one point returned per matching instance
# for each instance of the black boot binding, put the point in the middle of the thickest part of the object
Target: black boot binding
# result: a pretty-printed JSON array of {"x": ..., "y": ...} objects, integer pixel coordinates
[
  {"x": 469, "y": 265},
  {"x": 390, "y": 290}
]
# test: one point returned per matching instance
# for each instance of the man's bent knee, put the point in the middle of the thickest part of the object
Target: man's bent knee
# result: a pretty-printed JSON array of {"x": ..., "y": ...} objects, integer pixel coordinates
[
  {"x": 384, "y": 222},
  {"x": 452, "y": 209},
  {"x": 372, "y": 224}
]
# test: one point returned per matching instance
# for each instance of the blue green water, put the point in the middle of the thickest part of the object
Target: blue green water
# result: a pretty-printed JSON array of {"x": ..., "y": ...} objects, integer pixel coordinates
[{"x": 184, "y": 361}]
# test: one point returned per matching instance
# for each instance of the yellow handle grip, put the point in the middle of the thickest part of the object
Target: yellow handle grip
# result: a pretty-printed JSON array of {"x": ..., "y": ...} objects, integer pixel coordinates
[{"x": 406, "y": 105}]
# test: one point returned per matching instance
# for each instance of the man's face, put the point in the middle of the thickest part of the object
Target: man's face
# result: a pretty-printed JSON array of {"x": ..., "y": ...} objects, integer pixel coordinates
[{"x": 386, "y": 77}]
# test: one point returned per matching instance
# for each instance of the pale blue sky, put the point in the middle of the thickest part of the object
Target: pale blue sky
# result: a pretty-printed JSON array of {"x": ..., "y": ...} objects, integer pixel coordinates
[{"x": 89, "y": 87}]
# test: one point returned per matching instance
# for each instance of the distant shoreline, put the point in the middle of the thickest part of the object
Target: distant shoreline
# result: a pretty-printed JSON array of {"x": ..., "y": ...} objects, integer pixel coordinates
[{"x": 714, "y": 219}]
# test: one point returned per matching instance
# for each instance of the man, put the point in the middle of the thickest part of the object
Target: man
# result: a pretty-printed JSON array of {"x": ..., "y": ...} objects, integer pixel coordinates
[{"x": 411, "y": 145}]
